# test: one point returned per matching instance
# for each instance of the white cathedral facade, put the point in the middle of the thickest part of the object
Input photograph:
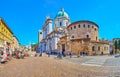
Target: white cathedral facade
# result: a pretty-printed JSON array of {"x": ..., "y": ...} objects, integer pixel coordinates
[{"x": 50, "y": 36}]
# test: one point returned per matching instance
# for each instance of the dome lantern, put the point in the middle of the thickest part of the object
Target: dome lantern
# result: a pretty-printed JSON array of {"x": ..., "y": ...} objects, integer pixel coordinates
[{"x": 62, "y": 13}]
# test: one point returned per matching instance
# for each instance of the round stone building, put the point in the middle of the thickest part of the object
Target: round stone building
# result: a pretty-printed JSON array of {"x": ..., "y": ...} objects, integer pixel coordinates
[
  {"x": 82, "y": 38},
  {"x": 83, "y": 29}
]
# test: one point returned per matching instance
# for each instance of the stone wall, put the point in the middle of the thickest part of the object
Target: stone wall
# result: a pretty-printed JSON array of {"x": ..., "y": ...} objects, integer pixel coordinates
[
  {"x": 83, "y": 30},
  {"x": 100, "y": 48}
]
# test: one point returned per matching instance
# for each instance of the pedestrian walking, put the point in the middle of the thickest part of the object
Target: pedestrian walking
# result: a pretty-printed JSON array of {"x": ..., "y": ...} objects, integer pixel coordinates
[
  {"x": 70, "y": 54},
  {"x": 40, "y": 54},
  {"x": 17, "y": 54},
  {"x": 48, "y": 54},
  {"x": 59, "y": 55}
]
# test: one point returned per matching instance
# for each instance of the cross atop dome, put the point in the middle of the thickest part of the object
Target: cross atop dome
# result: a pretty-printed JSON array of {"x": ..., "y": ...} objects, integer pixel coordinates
[{"x": 62, "y": 9}]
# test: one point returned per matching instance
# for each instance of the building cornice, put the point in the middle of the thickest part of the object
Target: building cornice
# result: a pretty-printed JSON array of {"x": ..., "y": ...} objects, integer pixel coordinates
[
  {"x": 83, "y": 21},
  {"x": 6, "y": 25}
]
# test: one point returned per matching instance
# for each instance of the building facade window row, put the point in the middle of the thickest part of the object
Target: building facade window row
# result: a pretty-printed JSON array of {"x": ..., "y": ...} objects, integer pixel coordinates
[
  {"x": 84, "y": 26},
  {"x": 99, "y": 48}
]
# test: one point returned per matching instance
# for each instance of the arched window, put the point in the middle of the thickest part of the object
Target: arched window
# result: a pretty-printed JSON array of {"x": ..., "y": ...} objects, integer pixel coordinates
[
  {"x": 74, "y": 27},
  {"x": 60, "y": 23},
  {"x": 92, "y": 26},
  {"x": 99, "y": 48},
  {"x": 96, "y": 38},
  {"x": 104, "y": 48},
  {"x": 95, "y": 29},
  {"x": 84, "y": 25},
  {"x": 93, "y": 48},
  {"x": 72, "y": 36},
  {"x": 40, "y": 32},
  {"x": 88, "y": 26},
  {"x": 87, "y": 36},
  {"x": 79, "y": 25}
]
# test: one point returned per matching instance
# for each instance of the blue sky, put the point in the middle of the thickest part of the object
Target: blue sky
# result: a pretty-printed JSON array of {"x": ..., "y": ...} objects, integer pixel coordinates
[{"x": 26, "y": 17}]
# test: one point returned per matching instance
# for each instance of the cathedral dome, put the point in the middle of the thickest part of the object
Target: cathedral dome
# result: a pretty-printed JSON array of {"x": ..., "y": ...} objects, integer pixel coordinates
[{"x": 62, "y": 13}]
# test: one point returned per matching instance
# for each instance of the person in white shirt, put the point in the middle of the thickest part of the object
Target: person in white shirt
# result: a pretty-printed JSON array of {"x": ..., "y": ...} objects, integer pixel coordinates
[{"x": 3, "y": 60}]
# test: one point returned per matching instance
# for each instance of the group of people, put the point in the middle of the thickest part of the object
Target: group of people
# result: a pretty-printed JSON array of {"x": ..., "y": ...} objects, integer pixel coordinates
[
  {"x": 4, "y": 57},
  {"x": 18, "y": 55},
  {"x": 63, "y": 54}
]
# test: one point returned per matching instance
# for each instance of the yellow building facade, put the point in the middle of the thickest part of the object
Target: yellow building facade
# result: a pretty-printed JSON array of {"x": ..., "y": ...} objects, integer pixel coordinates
[
  {"x": 6, "y": 35},
  {"x": 15, "y": 43}
]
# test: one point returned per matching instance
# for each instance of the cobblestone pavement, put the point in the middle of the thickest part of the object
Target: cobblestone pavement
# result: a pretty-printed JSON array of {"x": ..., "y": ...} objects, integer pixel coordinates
[
  {"x": 52, "y": 67},
  {"x": 95, "y": 60},
  {"x": 108, "y": 62}
]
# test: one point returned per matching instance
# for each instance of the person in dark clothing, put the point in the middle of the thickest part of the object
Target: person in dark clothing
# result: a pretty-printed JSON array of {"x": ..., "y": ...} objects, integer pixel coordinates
[
  {"x": 59, "y": 55},
  {"x": 63, "y": 53},
  {"x": 70, "y": 54}
]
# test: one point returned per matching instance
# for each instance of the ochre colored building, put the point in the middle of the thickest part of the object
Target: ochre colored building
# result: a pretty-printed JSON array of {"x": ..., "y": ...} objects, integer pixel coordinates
[
  {"x": 7, "y": 40},
  {"x": 15, "y": 43},
  {"x": 82, "y": 38}
]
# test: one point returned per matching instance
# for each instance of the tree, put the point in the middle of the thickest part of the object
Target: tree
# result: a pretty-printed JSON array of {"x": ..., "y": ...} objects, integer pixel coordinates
[
  {"x": 34, "y": 46},
  {"x": 119, "y": 44},
  {"x": 116, "y": 46}
]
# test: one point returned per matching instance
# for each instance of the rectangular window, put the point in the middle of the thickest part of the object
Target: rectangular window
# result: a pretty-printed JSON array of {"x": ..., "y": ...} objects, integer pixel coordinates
[
  {"x": 60, "y": 23},
  {"x": 92, "y": 26},
  {"x": 78, "y": 26},
  {"x": 40, "y": 32},
  {"x": 84, "y": 25},
  {"x": 74, "y": 27},
  {"x": 88, "y": 26},
  {"x": 96, "y": 38},
  {"x": 95, "y": 29}
]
